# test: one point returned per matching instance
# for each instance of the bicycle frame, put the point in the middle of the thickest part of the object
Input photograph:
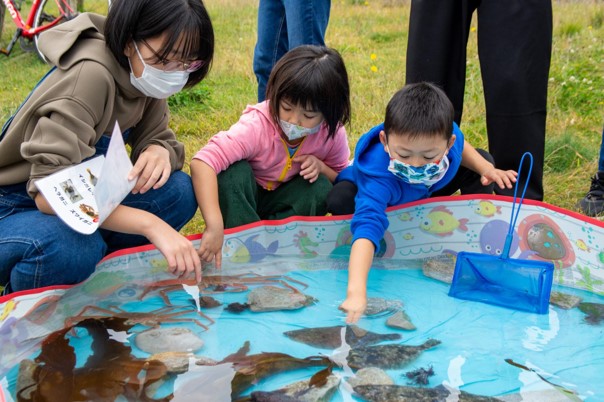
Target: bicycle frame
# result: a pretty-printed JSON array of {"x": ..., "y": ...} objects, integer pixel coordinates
[{"x": 26, "y": 27}]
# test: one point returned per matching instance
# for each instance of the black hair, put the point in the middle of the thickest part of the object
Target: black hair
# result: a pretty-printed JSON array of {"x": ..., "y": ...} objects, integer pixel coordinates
[
  {"x": 182, "y": 20},
  {"x": 314, "y": 77},
  {"x": 419, "y": 109}
]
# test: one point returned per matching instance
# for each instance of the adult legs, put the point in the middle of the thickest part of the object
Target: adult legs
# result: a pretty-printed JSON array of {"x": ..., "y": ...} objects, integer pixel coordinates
[
  {"x": 284, "y": 25},
  {"x": 593, "y": 202},
  {"x": 238, "y": 195},
  {"x": 514, "y": 46},
  {"x": 40, "y": 250},
  {"x": 436, "y": 47},
  {"x": 271, "y": 42},
  {"x": 174, "y": 203}
]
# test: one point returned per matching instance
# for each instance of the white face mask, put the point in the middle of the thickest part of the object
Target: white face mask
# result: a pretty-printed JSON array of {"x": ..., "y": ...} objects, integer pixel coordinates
[
  {"x": 157, "y": 83},
  {"x": 293, "y": 132}
]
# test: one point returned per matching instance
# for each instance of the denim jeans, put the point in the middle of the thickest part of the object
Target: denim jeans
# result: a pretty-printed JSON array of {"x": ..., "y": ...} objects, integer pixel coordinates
[
  {"x": 284, "y": 25},
  {"x": 39, "y": 250}
]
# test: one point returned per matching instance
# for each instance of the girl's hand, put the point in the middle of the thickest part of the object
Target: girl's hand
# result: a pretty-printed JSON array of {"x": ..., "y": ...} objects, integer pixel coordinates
[
  {"x": 503, "y": 178},
  {"x": 310, "y": 167},
  {"x": 152, "y": 169},
  {"x": 354, "y": 306},
  {"x": 180, "y": 253},
  {"x": 211, "y": 246}
]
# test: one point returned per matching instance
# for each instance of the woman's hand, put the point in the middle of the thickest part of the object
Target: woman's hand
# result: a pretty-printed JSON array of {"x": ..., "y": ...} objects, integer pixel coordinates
[
  {"x": 152, "y": 169},
  {"x": 310, "y": 167},
  {"x": 180, "y": 253}
]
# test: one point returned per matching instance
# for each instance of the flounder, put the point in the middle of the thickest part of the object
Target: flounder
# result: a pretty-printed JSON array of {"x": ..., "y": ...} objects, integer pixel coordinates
[
  {"x": 401, "y": 393},
  {"x": 391, "y": 356},
  {"x": 329, "y": 337},
  {"x": 594, "y": 311}
]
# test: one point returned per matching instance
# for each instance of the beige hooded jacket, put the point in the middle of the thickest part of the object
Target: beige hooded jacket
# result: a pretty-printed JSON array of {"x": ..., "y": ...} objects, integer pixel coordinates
[{"x": 65, "y": 116}]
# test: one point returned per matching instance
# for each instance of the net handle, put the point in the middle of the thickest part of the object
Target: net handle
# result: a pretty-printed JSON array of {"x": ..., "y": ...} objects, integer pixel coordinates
[{"x": 516, "y": 212}]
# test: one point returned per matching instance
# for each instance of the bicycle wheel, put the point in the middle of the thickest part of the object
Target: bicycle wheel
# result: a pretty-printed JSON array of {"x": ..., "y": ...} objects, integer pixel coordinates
[{"x": 52, "y": 12}]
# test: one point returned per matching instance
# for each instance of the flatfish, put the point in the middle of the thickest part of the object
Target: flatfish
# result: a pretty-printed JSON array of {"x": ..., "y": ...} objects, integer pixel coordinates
[
  {"x": 391, "y": 356},
  {"x": 594, "y": 311},
  {"x": 401, "y": 393},
  {"x": 329, "y": 337}
]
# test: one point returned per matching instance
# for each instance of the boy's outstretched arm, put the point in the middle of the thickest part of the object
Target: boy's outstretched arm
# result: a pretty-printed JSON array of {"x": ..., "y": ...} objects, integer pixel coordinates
[
  {"x": 205, "y": 185},
  {"x": 361, "y": 258},
  {"x": 471, "y": 159}
]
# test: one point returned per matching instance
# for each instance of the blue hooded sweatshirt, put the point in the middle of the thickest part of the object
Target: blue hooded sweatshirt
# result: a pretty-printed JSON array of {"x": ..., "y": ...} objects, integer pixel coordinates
[{"x": 379, "y": 189}]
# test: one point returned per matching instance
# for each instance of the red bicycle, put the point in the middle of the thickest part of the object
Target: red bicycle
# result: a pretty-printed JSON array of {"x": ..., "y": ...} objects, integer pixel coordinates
[{"x": 42, "y": 15}]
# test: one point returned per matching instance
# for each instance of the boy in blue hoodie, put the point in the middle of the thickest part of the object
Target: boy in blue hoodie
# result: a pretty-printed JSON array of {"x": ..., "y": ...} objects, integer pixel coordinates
[{"x": 418, "y": 152}]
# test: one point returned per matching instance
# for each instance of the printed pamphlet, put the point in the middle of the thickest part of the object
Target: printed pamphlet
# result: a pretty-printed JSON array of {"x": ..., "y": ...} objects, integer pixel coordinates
[{"x": 84, "y": 195}]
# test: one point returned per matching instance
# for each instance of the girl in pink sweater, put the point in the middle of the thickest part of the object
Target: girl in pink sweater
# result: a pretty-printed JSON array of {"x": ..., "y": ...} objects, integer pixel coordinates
[{"x": 282, "y": 156}]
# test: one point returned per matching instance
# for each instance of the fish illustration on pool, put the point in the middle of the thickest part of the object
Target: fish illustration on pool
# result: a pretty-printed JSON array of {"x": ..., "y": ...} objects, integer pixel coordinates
[
  {"x": 487, "y": 209},
  {"x": 441, "y": 222},
  {"x": 248, "y": 250}
]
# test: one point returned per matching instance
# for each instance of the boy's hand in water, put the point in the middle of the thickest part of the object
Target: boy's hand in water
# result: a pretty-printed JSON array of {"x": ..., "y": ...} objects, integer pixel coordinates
[{"x": 354, "y": 307}]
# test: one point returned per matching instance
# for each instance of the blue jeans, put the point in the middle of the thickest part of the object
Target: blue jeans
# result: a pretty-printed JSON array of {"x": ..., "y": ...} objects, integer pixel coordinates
[
  {"x": 40, "y": 250},
  {"x": 284, "y": 25}
]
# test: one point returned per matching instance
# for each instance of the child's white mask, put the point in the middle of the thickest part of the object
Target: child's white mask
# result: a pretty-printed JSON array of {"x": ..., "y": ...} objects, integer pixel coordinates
[
  {"x": 293, "y": 132},
  {"x": 157, "y": 83},
  {"x": 427, "y": 174}
]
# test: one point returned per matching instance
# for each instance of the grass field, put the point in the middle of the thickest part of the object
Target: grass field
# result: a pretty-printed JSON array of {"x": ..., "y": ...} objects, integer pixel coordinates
[{"x": 372, "y": 38}]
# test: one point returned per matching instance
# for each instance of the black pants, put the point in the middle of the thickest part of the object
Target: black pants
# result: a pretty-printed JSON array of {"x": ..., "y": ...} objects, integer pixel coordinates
[
  {"x": 340, "y": 200},
  {"x": 514, "y": 48}
]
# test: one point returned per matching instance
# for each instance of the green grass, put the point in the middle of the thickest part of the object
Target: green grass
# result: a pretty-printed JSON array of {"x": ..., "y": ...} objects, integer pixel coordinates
[{"x": 372, "y": 38}]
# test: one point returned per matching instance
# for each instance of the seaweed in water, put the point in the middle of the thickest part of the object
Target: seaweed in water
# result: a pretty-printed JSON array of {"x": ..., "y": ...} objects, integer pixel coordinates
[
  {"x": 109, "y": 372},
  {"x": 420, "y": 376},
  {"x": 253, "y": 368}
]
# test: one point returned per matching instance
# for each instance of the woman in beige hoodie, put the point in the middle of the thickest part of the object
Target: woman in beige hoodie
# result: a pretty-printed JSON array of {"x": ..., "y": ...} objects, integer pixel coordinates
[{"x": 122, "y": 69}]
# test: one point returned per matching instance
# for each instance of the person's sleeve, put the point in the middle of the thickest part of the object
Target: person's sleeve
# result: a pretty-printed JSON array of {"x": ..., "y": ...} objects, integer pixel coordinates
[
  {"x": 153, "y": 130},
  {"x": 241, "y": 141},
  {"x": 65, "y": 131},
  {"x": 369, "y": 220}
]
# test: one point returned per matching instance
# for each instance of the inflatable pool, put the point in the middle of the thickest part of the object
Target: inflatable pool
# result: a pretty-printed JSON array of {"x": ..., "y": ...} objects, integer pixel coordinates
[{"x": 267, "y": 326}]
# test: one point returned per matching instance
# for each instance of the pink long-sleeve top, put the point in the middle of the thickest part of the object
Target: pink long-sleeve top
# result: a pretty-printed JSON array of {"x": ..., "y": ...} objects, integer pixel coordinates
[{"x": 255, "y": 138}]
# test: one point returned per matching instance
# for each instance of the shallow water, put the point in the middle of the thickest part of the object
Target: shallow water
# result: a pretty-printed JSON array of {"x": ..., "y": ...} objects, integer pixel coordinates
[{"x": 476, "y": 338}]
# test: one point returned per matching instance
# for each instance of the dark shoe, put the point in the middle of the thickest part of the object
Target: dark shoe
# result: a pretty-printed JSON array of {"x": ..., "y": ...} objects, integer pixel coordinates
[{"x": 593, "y": 203}]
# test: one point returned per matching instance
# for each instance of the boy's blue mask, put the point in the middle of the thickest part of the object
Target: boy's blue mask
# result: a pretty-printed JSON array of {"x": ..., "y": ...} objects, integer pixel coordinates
[{"x": 427, "y": 174}]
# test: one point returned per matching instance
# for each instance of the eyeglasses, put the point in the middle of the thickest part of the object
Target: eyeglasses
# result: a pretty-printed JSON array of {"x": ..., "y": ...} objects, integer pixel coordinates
[{"x": 174, "y": 65}]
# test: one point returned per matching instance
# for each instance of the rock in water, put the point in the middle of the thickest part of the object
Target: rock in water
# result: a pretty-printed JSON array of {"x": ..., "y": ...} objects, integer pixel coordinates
[
  {"x": 370, "y": 376},
  {"x": 392, "y": 356},
  {"x": 440, "y": 267},
  {"x": 594, "y": 311},
  {"x": 168, "y": 339},
  {"x": 400, "y": 393},
  {"x": 329, "y": 337},
  {"x": 401, "y": 320},
  {"x": 377, "y": 306},
  {"x": 272, "y": 298},
  {"x": 564, "y": 300}
]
